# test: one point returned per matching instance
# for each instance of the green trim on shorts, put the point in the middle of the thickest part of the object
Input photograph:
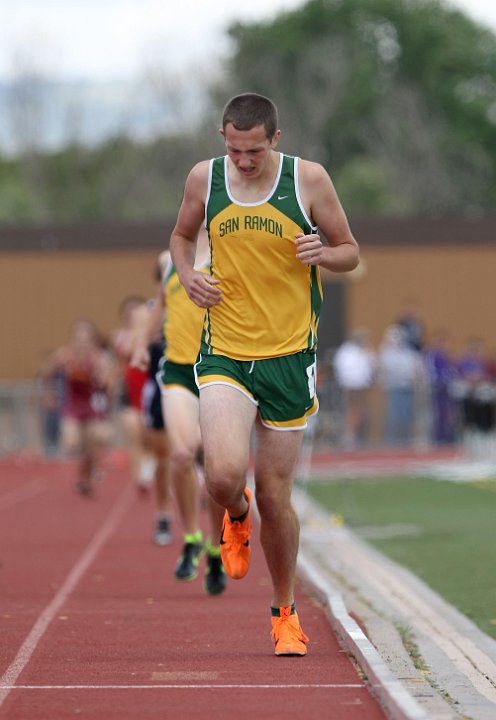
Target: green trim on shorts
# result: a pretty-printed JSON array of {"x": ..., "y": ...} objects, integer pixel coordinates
[
  {"x": 283, "y": 388},
  {"x": 178, "y": 375}
]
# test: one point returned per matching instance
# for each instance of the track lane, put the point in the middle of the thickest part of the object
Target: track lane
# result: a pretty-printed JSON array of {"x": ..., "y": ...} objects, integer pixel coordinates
[{"x": 125, "y": 640}]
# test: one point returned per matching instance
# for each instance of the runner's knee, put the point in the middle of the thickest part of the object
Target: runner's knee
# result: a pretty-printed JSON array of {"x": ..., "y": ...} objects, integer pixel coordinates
[
  {"x": 182, "y": 456},
  {"x": 273, "y": 502},
  {"x": 224, "y": 483}
]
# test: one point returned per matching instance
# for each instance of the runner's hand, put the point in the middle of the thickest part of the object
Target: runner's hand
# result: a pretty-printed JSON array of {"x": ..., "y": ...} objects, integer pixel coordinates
[
  {"x": 309, "y": 249},
  {"x": 141, "y": 359},
  {"x": 203, "y": 290}
]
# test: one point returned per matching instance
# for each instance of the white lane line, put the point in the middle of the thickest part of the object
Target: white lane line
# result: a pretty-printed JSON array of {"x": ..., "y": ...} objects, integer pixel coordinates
[
  {"x": 254, "y": 686},
  {"x": 120, "y": 507},
  {"x": 17, "y": 495}
]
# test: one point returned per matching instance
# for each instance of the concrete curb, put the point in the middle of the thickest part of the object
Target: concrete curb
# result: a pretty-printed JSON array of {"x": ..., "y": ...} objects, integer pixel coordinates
[
  {"x": 457, "y": 678},
  {"x": 392, "y": 695}
]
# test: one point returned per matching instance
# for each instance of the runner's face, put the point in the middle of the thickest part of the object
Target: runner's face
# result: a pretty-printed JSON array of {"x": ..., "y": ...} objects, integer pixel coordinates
[
  {"x": 249, "y": 150},
  {"x": 83, "y": 336}
]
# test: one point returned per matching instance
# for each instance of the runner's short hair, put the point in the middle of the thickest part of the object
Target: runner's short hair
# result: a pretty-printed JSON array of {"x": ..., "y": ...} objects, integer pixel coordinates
[{"x": 248, "y": 110}]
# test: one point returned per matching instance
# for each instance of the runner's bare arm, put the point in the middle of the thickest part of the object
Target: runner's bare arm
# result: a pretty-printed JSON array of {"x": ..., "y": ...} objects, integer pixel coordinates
[
  {"x": 201, "y": 288},
  {"x": 320, "y": 199}
]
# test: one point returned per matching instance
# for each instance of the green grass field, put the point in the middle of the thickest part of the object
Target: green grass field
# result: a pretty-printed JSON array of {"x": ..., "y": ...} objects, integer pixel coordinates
[{"x": 445, "y": 532}]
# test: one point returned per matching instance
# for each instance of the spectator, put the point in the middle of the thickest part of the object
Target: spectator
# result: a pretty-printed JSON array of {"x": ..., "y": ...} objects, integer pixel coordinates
[
  {"x": 441, "y": 374},
  {"x": 355, "y": 368},
  {"x": 399, "y": 369},
  {"x": 51, "y": 393},
  {"x": 409, "y": 320},
  {"x": 475, "y": 389}
]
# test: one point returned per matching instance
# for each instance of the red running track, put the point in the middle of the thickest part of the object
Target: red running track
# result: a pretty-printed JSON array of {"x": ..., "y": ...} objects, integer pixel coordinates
[{"x": 93, "y": 624}]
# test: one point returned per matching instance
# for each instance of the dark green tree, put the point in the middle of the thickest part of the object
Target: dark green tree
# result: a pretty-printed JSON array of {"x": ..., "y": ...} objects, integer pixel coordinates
[{"x": 397, "y": 98}]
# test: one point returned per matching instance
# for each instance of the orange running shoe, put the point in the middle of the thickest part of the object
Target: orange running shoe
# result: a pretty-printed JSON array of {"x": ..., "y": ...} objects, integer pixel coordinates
[
  {"x": 235, "y": 547},
  {"x": 287, "y": 634}
]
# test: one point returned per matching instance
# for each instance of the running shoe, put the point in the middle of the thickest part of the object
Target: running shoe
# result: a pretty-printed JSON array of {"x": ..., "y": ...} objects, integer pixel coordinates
[
  {"x": 163, "y": 533},
  {"x": 215, "y": 576},
  {"x": 187, "y": 565},
  {"x": 287, "y": 634},
  {"x": 235, "y": 547}
]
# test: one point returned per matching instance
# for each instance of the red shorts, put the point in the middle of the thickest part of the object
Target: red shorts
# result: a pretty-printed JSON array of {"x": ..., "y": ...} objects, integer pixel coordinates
[
  {"x": 84, "y": 409},
  {"x": 134, "y": 380}
]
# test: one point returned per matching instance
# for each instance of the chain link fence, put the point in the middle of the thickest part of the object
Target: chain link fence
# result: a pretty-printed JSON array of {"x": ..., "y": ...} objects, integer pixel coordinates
[
  {"x": 30, "y": 420},
  {"x": 21, "y": 417}
]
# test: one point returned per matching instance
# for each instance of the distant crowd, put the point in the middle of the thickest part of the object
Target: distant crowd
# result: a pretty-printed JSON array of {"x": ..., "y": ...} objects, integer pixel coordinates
[{"x": 455, "y": 394}]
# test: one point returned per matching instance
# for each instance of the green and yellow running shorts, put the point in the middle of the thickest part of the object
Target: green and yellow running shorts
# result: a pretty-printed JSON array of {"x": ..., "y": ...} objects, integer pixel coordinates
[
  {"x": 178, "y": 375},
  {"x": 283, "y": 388}
]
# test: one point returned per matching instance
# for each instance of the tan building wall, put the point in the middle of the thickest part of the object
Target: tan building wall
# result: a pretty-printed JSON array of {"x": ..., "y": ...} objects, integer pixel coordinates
[
  {"x": 454, "y": 288},
  {"x": 41, "y": 294},
  {"x": 449, "y": 272}
]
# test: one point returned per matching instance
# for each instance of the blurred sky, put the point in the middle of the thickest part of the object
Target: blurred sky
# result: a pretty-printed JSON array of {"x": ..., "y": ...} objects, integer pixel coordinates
[{"x": 115, "y": 39}]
